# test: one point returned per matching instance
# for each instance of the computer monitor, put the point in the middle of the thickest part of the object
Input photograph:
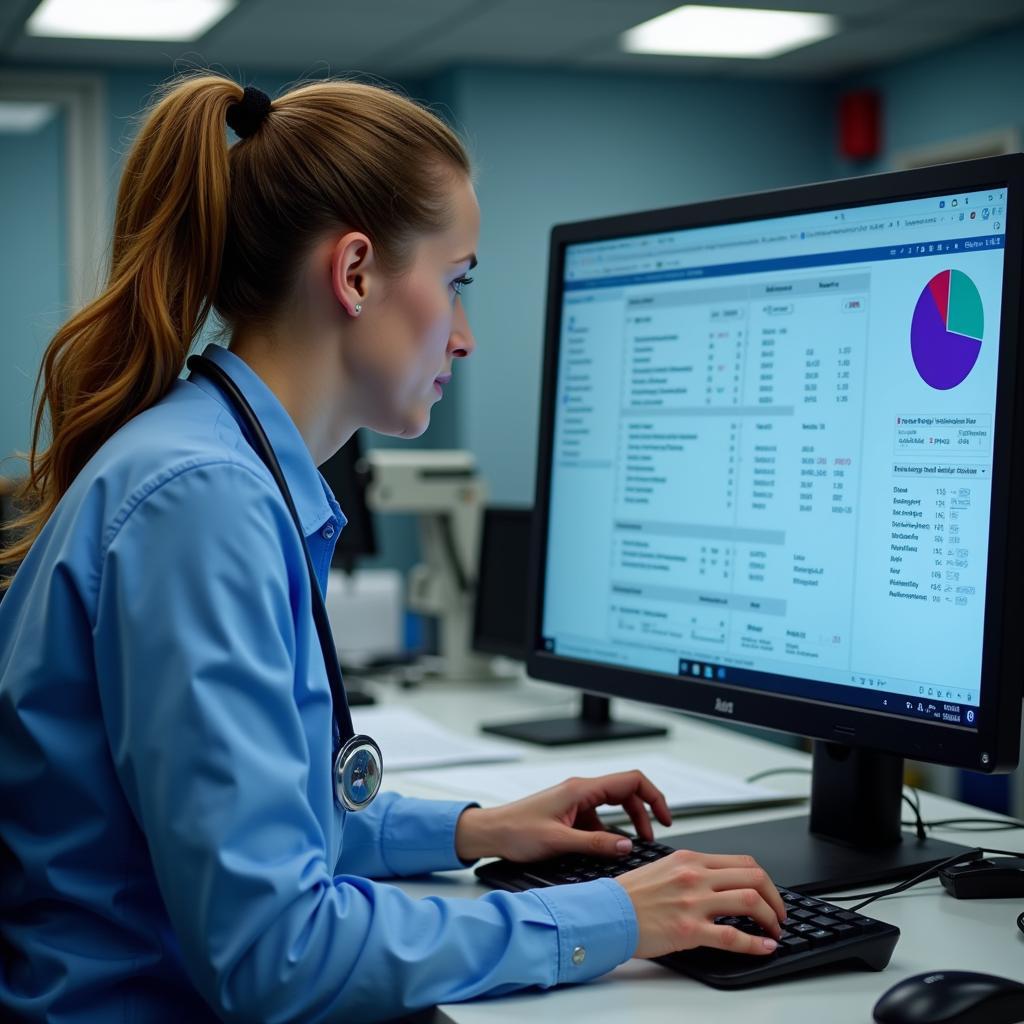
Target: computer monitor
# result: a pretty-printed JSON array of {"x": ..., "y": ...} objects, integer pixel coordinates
[
  {"x": 499, "y": 611},
  {"x": 348, "y": 476},
  {"x": 779, "y": 483}
]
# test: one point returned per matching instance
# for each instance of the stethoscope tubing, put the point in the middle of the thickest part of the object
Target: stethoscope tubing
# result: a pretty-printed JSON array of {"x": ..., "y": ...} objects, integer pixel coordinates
[{"x": 260, "y": 443}]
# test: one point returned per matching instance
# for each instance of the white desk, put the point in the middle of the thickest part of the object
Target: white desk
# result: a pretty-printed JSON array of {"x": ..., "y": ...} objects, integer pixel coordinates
[{"x": 937, "y": 930}]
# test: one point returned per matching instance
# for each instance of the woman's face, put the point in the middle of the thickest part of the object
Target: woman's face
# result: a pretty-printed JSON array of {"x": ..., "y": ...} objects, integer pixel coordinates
[{"x": 413, "y": 327}]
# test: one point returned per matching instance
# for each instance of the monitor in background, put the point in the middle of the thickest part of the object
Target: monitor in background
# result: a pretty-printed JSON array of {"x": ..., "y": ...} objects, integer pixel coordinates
[
  {"x": 777, "y": 485},
  {"x": 499, "y": 613},
  {"x": 347, "y": 475}
]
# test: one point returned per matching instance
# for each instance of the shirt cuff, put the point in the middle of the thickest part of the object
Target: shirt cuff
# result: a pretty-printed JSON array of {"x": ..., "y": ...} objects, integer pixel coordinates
[
  {"x": 420, "y": 837},
  {"x": 597, "y": 928}
]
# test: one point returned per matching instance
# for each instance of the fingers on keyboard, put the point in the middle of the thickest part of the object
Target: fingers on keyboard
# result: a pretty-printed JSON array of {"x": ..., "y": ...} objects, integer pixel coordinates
[
  {"x": 748, "y": 904},
  {"x": 755, "y": 878},
  {"x": 734, "y": 940}
]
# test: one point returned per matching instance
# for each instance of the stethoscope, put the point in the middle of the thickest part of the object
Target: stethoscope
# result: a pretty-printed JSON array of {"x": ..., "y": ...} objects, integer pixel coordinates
[{"x": 358, "y": 764}]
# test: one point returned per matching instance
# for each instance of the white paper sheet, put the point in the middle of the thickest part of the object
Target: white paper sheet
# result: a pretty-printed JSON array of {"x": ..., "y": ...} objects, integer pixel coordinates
[
  {"x": 687, "y": 787},
  {"x": 408, "y": 739}
]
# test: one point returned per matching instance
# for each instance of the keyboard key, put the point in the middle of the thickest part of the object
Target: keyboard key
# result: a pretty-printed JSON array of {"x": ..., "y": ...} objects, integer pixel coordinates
[
  {"x": 824, "y": 921},
  {"x": 820, "y": 935},
  {"x": 802, "y": 914},
  {"x": 795, "y": 943}
]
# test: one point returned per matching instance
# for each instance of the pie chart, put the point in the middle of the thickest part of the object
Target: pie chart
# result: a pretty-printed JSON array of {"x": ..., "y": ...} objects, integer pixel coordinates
[{"x": 947, "y": 328}]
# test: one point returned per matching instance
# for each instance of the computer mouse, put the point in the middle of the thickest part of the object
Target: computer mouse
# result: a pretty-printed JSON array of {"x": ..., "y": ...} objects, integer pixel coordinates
[
  {"x": 952, "y": 997},
  {"x": 992, "y": 878}
]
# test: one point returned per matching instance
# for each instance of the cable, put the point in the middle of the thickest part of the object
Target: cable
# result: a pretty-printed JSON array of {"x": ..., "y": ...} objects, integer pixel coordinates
[
  {"x": 960, "y": 858},
  {"x": 918, "y": 823},
  {"x": 757, "y": 776},
  {"x": 994, "y": 824}
]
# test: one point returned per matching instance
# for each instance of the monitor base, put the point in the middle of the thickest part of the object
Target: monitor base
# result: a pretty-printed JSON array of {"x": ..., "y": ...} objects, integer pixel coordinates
[
  {"x": 557, "y": 732},
  {"x": 797, "y": 859},
  {"x": 594, "y": 724}
]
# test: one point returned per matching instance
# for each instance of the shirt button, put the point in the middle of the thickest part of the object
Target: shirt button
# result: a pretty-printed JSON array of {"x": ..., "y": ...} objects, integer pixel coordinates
[
  {"x": 579, "y": 954},
  {"x": 328, "y": 532}
]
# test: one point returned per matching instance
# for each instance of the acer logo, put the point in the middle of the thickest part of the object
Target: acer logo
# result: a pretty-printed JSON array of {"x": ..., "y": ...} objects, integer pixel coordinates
[{"x": 723, "y": 706}]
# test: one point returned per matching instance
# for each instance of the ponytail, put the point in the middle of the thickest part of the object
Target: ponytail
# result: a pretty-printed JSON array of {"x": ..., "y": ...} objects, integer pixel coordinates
[
  {"x": 323, "y": 155},
  {"x": 123, "y": 351}
]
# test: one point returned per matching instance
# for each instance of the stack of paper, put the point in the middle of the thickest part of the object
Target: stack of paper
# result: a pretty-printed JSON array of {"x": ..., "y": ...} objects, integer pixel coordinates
[
  {"x": 688, "y": 789},
  {"x": 408, "y": 739}
]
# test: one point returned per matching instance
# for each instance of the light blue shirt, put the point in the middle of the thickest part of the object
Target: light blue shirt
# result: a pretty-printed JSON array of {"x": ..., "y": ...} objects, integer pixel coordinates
[{"x": 170, "y": 849}]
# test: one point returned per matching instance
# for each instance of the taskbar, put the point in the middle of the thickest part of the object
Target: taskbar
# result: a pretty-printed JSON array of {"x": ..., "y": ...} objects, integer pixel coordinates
[{"x": 946, "y": 712}]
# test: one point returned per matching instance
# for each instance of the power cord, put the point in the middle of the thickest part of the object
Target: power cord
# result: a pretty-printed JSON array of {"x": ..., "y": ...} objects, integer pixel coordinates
[{"x": 919, "y": 824}]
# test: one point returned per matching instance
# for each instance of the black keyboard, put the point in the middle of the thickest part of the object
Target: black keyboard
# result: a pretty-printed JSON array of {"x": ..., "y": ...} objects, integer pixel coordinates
[{"x": 815, "y": 933}]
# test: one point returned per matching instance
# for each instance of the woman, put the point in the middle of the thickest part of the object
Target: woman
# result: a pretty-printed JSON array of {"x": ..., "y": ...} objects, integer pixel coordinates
[{"x": 171, "y": 845}]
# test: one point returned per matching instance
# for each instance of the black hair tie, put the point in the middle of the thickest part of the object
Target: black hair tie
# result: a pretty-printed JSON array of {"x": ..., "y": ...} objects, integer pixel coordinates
[{"x": 245, "y": 116}]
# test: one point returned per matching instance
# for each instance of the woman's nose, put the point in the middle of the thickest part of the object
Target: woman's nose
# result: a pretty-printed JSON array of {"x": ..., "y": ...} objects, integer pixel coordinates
[{"x": 461, "y": 342}]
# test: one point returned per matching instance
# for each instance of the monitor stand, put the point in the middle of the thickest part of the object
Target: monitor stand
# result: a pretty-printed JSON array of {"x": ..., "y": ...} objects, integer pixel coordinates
[
  {"x": 852, "y": 837},
  {"x": 594, "y": 724}
]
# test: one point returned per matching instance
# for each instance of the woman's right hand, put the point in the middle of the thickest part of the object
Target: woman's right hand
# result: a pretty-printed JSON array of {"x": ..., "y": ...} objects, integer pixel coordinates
[{"x": 677, "y": 898}]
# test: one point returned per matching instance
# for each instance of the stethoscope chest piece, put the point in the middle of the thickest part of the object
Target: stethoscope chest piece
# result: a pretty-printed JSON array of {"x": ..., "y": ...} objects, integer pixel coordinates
[{"x": 358, "y": 768}]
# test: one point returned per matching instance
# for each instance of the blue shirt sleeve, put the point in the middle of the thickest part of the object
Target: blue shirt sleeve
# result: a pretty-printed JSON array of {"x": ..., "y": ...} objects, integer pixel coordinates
[
  {"x": 401, "y": 835},
  {"x": 200, "y": 594}
]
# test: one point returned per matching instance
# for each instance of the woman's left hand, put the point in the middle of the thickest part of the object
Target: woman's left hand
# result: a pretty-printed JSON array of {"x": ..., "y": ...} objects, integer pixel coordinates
[{"x": 562, "y": 819}]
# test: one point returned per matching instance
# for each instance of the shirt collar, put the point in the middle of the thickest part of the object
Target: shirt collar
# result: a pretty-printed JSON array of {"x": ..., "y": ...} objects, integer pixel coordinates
[{"x": 309, "y": 491}]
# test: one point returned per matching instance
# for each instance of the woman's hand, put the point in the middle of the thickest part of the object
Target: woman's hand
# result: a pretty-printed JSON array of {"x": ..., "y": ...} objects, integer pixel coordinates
[
  {"x": 677, "y": 898},
  {"x": 562, "y": 819}
]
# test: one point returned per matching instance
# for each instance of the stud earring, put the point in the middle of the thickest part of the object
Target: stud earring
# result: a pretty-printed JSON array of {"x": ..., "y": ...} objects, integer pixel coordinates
[{"x": 358, "y": 308}]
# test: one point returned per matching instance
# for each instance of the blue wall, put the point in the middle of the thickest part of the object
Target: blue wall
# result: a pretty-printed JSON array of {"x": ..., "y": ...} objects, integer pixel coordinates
[
  {"x": 33, "y": 274},
  {"x": 975, "y": 88}
]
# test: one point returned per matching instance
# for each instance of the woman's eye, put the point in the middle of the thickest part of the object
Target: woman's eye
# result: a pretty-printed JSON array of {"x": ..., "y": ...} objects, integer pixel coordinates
[{"x": 459, "y": 283}]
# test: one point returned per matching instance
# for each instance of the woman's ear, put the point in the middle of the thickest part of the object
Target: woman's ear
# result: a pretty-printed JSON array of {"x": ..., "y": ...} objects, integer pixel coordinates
[{"x": 351, "y": 271}]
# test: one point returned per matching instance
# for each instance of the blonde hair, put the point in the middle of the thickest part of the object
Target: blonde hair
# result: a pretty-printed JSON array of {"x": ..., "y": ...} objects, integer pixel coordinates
[{"x": 200, "y": 225}]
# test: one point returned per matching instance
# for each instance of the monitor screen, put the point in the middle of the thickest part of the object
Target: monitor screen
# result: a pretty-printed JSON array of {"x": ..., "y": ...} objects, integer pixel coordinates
[
  {"x": 770, "y": 461},
  {"x": 500, "y": 624}
]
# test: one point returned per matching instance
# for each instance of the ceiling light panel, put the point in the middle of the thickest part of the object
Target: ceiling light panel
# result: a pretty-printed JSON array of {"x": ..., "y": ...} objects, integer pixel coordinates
[
  {"x": 159, "y": 20},
  {"x": 695, "y": 30}
]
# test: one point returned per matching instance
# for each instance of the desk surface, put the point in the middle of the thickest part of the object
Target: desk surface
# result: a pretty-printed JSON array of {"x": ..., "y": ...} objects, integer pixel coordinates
[{"x": 937, "y": 931}]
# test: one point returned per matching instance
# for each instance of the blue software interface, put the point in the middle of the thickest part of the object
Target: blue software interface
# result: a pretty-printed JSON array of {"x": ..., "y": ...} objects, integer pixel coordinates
[{"x": 772, "y": 453}]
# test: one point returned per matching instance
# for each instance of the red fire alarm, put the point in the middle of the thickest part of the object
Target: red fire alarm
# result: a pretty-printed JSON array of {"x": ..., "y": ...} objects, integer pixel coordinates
[{"x": 860, "y": 124}]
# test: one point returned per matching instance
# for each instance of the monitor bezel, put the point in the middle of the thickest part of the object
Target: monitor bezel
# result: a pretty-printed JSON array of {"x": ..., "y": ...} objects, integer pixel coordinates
[{"x": 994, "y": 744}]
